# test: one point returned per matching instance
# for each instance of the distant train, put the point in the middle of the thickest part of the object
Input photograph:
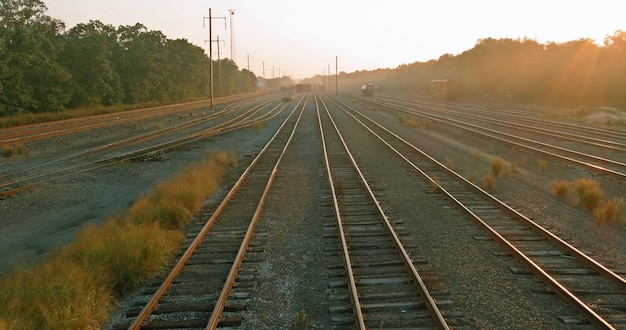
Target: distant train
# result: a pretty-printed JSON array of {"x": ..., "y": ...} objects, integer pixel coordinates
[
  {"x": 367, "y": 89},
  {"x": 286, "y": 93},
  {"x": 303, "y": 88},
  {"x": 445, "y": 89}
]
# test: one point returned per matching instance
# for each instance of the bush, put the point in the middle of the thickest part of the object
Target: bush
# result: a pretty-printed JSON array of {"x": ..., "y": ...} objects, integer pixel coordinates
[
  {"x": 489, "y": 181},
  {"x": 589, "y": 193},
  {"x": 609, "y": 211},
  {"x": 560, "y": 188},
  {"x": 496, "y": 166}
]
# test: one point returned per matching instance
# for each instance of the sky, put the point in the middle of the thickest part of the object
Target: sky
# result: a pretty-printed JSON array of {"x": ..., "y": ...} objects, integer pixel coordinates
[{"x": 305, "y": 38}]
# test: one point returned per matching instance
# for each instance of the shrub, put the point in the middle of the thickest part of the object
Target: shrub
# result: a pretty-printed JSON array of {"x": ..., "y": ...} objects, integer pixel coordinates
[
  {"x": 589, "y": 193},
  {"x": 609, "y": 211},
  {"x": 489, "y": 181},
  {"x": 473, "y": 176},
  {"x": 560, "y": 188},
  {"x": 496, "y": 166},
  {"x": 543, "y": 165},
  {"x": 8, "y": 151},
  {"x": 12, "y": 151}
]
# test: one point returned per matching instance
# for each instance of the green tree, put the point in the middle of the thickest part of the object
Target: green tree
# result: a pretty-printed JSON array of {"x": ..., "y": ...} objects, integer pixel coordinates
[
  {"x": 188, "y": 70},
  {"x": 32, "y": 79},
  {"x": 140, "y": 59},
  {"x": 87, "y": 55}
]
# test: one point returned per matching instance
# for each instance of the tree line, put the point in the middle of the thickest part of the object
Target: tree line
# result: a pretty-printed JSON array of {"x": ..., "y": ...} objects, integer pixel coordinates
[
  {"x": 573, "y": 73},
  {"x": 44, "y": 67}
]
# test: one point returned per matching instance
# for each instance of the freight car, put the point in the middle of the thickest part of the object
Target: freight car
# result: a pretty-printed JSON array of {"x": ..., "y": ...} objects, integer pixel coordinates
[
  {"x": 367, "y": 89},
  {"x": 303, "y": 88},
  {"x": 446, "y": 89}
]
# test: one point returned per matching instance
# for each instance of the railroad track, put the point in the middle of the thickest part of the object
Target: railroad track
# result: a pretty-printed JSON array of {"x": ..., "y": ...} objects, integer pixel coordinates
[
  {"x": 34, "y": 132},
  {"x": 144, "y": 147},
  {"x": 208, "y": 285},
  {"x": 376, "y": 284},
  {"x": 612, "y": 143},
  {"x": 594, "y": 290}
]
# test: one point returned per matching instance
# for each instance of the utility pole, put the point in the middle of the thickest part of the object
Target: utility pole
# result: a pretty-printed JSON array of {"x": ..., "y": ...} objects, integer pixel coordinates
[
  {"x": 328, "y": 78},
  {"x": 264, "y": 80},
  {"x": 233, "y": 52},
  {"x": 210, "y": 18},
  {"x": 219, "y": 66},
  {"x": 336, "y": 76},
  {"x": 249, "y": 78}
]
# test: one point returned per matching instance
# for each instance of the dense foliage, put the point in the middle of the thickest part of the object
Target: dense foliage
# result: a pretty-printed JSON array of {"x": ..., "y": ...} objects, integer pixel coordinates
[
  {"x": 574, "y": 73},
  {"x": 45, "y": 68}
]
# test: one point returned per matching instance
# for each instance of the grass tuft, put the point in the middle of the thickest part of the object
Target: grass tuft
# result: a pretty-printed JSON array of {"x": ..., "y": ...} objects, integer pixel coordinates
[
  {"x": 589, "y": 193},
  {"x": 560, "y": 188},
  {"x": 609, "y": 211},
  {"x": 496, "y": 166},
  {"x": 489, "y": 181}
]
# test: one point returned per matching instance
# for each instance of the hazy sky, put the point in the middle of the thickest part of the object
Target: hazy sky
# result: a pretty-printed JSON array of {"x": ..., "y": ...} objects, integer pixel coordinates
[{"x": 301, "y": 38}]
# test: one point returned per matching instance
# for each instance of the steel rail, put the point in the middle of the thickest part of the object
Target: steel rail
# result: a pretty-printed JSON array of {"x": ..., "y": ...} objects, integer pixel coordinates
[
  {"x": 589, "y": 314},
  {"x": 423, "y": 290},
  {"x": 463, "y": 126},
  {"x": 167, "y": 282},
  {"x": 354, "y": 295},
  {"x": 118, "y": 159},
  {"x": 232, "y": 275}
]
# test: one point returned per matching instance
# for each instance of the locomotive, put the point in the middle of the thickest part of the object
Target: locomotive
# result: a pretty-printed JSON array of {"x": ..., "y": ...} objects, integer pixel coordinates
[{"x": 367, "y": 89}]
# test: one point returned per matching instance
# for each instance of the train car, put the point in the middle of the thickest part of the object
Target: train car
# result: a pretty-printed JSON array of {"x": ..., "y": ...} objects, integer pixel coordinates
[
  {"x": 286, "y": 93},
  {"x": 367, "y": 90},
  {"x": 303, "y": 88},
  {"x": 445, "y": 89}
]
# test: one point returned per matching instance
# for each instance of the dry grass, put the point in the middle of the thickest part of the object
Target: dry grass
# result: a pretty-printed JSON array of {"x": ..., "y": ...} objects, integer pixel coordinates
[
  {"x": 543, "y": 165},
  {"x": 489, "y": 181},
  {"x": 496, "y": 166},
  {"x": 560, "y": 188},
  {"x": 609, "y": 211},
  {"x": 12, "y": 151},
  {"x": 410, "y": 122},
  {"x": 589, "y": 193},
  {"x": 450, "y": 162},
  {"x": 473, "y": 176},
  {"x": 77, "y": 287}
]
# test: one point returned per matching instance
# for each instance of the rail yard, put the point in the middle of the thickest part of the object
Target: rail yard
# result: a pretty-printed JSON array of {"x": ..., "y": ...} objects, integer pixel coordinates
[{"x": 347, "y": 211}]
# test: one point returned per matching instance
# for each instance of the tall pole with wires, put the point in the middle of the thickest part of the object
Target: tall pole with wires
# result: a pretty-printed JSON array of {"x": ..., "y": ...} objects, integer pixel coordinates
[
  {"x": 210, "y": 18},
  {"x": 233, "y": 52}
]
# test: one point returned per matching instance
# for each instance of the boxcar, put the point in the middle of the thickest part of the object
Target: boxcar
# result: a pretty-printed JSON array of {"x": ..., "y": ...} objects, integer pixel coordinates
[
  {"x": 445, "y": 89},
  {"x": 303, "y": 88},
  {"x": 367, "y": 90}
]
